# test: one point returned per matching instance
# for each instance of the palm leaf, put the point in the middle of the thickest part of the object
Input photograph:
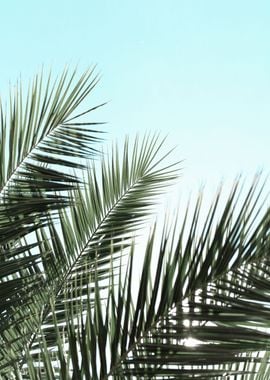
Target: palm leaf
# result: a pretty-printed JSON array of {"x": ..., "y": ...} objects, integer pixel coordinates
[
  {"x": 36, "y": 137},
  {"x": 106, "y": 216},
  {"x": 222, "y": 313},
  {"x": 199, "y": 308},
  {"x": 92, "y": 234},
  {"x": 68, "y": 309}
]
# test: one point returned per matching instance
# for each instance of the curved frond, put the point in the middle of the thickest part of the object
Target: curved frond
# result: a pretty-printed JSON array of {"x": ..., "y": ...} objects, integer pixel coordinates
[
  {"x": 182, "y": 325},
  {"x": 114, "y": 201},
  {"x": 108, "y": 213},
  {"x": 42, "y": 137},
  {"x": 39, "y": 139},
  {"x": 68, "y": 309}
]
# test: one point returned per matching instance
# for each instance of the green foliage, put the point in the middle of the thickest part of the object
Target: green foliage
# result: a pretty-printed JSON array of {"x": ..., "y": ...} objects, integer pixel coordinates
[{"x": 74, "y": 305}]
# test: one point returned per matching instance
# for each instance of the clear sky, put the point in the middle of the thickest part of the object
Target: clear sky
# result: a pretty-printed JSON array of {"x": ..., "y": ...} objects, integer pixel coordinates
[{"x": 198, "y": 70}]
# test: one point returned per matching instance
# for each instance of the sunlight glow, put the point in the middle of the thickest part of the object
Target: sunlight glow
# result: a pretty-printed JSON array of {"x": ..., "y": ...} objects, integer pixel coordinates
[{"x": 191, "y": 342}]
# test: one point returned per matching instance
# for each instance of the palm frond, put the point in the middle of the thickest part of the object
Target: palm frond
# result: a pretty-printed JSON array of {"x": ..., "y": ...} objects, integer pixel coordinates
[
  {"x": 109, "y": 209},
  {"x": 41, "y": 139},
  {"x": 192, "y": 308},
  {"x": 36, "y": 137},
  {"x": 68, "y": 309},
  {"x": 181, "y": 325},
  {"x": 115, "y": 204}
]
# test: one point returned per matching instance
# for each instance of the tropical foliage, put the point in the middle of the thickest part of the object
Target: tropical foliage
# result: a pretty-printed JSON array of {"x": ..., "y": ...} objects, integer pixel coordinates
[{"x": 78, "y": 298}]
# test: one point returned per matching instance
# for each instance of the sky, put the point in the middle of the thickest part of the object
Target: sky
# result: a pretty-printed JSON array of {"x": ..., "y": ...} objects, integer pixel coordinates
[{"x": 195, "y": 70}]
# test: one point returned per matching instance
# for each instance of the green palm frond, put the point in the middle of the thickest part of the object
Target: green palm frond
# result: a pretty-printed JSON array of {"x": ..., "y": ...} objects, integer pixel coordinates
[
  {"x": 182, "y": 324},
  {"x": 42, "y": 137},
  {"x": 114, "y": 205},
  {"x": 194, "y": 282},
  {"x": 38, "y": 136},
  {"x": 108, "y": 209},
  {"x": 74, "y": 304}
]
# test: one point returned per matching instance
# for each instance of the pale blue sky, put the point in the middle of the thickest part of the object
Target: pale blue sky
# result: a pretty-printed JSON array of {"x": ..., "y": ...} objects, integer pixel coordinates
[{"x": 196, "y": 70}]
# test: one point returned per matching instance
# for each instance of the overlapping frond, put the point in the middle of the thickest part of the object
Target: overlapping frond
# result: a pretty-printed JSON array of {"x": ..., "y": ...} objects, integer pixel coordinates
[
  {"x": 40, "y": 138},
  {"x": 117, "y": 199},
  {"x": 191, "y": 331},
  {"x": 181, "y": 325},
  {"x": 68, "y": 309},
  {"x": 109, "y": 207}
]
